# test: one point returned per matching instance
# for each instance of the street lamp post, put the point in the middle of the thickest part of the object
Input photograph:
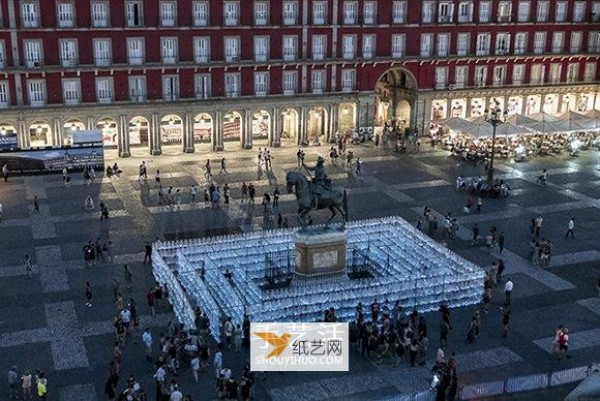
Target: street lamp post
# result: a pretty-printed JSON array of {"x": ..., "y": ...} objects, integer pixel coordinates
[{"x": 494, "y": 117}]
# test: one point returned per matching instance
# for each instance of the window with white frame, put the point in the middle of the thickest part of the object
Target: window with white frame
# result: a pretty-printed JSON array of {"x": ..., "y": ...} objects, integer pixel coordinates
[
  {"x": 30, "y": 15},
  {"x": 36, "y": 92},
  {"x": 594, "y": 42},
  {"x": 579, "y": 11},
  {"x": 348, "y": 80},
  {"x": 33, "y": 53},
  {"x": 399, "y": 12},
  {"x": 202, "y": 49},
  {"x": 290, "y": 13},
  {"x": 446, "y": 12},
  {"x": 319, "y": 46},
  {"x": 317, "y": 81},
  {"x": 4, "y": 94},
  {"x": 261, "y": 83},
  {"x": 461, "y": 76},
  {"x": 69, "y": 53},
  {"x": 368, "y": 46},
  {"x": 169, "y": 49},
  {"x": 170, "y": 87},
  {"x": 483, "y": 44},
  {"x": 134, "y": 14},
  {"x": 65, "y": 14},
  {"x": 560, "y": 11},
  {"x": 499, "y": 77},
  {"x": 200, "y": 13},
  {"x": 137, "y": 88},
  {"x": 2, "y": 55},
  {"x": 504, "y": 11},
  {"x": 290, "y": 48},
  {"x": 427, "y": 12},
  {"x": 261, "y": 13},
  {"x": 71, "y": 91},
  {"x": 572, "y": 73},
  {"x": 370, "y": 12},
  {"x": 135, "y": 51},
  {"x": 426, "y": 44},
  {"x": 485, "y": 11},
  {"x": 231, "y": 13},
  {"x": 480, "y": 75},
  {"x": 168, "y": 13},
  {"x": 465, "y": 12},
  {"x": 589, "y": 74},
  {"x": 350, "y": 12},
  {"x": 441, "y": 77},
  {"x": 100, "y": 14},
  {"x": 261, "y": 48},
  {"x": 555, "y": 72},
  {"x": 104, "y": 89},
  {"x": 232, "y": 48},
  {"x": 518, "y": 74},
  {"x": 538, "y": 74},
  {"x": 595, "y": 16},
  {"x": 202, "y": 86},
  {"x": 102, "y": 52},
  {"x": 542, "y": 11},
  {"x": 398, "y": 45},
  {"x": 502, "y": 43},
  {"x": 463, "y": 44},
  {"x": 319, "y": 12},
  {"x": 521, "y": 43},
  {"x": 558, "y": 40},
  {"x": 539, "y": 42},
  {"x": 290, "y": 82},
  {"x": 524, "y": 11},
  {"x": 576, "y": 40},
  {"x": 349, "y": 47},
  {"x": 443, "y": 44}
]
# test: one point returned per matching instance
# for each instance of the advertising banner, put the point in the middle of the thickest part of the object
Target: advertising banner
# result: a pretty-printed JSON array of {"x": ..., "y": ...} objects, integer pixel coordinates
[
  {"x": 53, "y": 160},
  {"x": 8, "y": 141}
]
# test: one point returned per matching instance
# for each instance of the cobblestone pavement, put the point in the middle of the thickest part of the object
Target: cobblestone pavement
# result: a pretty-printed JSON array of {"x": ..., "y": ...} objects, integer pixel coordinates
[{"x": 44, "y": 323}]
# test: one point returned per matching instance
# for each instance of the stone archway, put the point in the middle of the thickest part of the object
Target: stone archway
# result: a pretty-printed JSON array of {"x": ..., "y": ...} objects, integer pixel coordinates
[
  {"x": 203, "y": 128},
  {"x": 261, "y": 124},
  {"x": 394, "y": 88},
  {"x": 232, "y": 127},
  {"x": 317, "y": 123},
  {"x": 171, "y": 130},
  {"x": 40, "y": 134},
  {"x": 110, "y": 131},
  {"x": 138, "y": 131},
  {"x": 289, "y": 125},
  {"x": 68, "y": 128}
]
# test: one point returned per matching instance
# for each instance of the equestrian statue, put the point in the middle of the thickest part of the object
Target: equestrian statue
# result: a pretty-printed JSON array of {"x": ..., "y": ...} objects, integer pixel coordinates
[{"x": 316, "y": 194}]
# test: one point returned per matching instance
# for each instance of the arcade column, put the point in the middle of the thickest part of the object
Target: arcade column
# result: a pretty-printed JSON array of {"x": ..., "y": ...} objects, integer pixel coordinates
[
  {"x": 275, "y": 131},
  {"x": 217, "y": 140},
  {"x": 302, "y": 124},
  {"x": 123, "y": 137},
  {"x": 247, "y": 130},
  {"x": 188, "y": 133},
  {"x": 154, "y": 134}
]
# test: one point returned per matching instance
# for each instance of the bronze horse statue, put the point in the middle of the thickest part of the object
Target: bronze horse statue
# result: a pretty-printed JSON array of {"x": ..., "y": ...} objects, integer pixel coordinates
[{"x": 334, "y": 197}]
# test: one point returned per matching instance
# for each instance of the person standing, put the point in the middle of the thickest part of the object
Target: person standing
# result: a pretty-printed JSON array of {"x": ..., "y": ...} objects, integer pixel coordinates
[
  {"x": 193, "y": 193},
  {"x": 223, "y": 167},
  {"x": 13, "y": 383},
  {"x": 157, "y": 177},
  {"x": 5, "y": 172},
  {"x": 88, "y": 294},
  {"x": 28, "y": 266},
  {"x": 500, "y": 270},
  {"x": 475, "y": 235},
  {"x": 26, "y": 381},
  {"x": 563, "y": 343},
  {"x": 570, "y": 227},
  {"x": 508, "y": 288},
  {"x": 538, "y": 225},
  {"x": 42, "y": 386},
  {"x": 251, "y": 192},
  {"x": 151, "y": 300},
  {"x": 358, "y": 164},
  {"x": 479, "y": 204},
  {"x": 501, "y": 239},
  {"x": 127, "y": 277},
  {"x": 147, "y": 340},
  {"x": 143, "y": 172},
  {"x": 226, "y": 193},
  {"x": 110, "y": 388},
  {"x": 244, "y": 192},
  {"x": 276, "y": 194},
  {"x": 148, "y": 252}
]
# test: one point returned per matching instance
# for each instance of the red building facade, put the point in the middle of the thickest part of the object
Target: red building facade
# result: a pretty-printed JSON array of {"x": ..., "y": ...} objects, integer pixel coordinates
[{"x": 230, "y": 73}]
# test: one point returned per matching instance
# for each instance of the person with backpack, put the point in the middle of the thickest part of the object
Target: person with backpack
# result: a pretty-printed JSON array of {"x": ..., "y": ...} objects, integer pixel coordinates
[{"x": 563, "y": 344}]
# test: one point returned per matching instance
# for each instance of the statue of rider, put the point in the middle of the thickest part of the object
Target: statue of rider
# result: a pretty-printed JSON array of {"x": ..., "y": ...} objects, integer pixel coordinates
[{"x": 320, "y": 179}]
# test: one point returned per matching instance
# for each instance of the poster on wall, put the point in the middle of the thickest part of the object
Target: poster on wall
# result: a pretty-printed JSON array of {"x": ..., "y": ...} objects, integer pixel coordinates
[
  {"x": 53, "y": 160},
  {"x": 109, "y": 136},
  {"x": 202, "y": 131},
  {"x": 232, "y": 130},
  {"x": 260, "y": 127},
  {"x": 8, "y": 141}
]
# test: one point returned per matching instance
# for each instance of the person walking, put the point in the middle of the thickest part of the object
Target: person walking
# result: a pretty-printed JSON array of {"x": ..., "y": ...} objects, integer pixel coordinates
[
  {"x": 13, "y": 383},
  {"x": 223, "y": 167},
  {"x": 157, "y": 177},
  {"x": 151, "y": 300},
  {"x": 127, "y": 277},
  {"x": 501, "y": 240},
  {"x": 244, "y": 192},
  {"x": 36, "y": 204},
  {"x": 88, "y": 294},
  {"x": 26, "y": 381},
  {"x": 500, "y": 270},
  {"x": 193, "y": 193},
  {"x": 5, "y": 172},
  {"x": 148, "y": 252},
  {"x": 358, "y": 164},
  {"x": 42, "y": 386},
  {"x": 28, "y": 266},
  {"x": 570, "y": 227},
  {"x": 475, "y": 235},
  {"x": 505, "y": 320},
  {"x": 147, "y": 340},
  {"x": 508, "y": 288},
  {"x": 563, "y": 344},
  {"x": 276, "y": 194},
  {"x": 479, "y": 204}
]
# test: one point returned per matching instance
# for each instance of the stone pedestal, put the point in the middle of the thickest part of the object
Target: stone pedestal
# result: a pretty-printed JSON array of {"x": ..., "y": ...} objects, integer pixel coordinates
[{"x": 320, "y": 251}]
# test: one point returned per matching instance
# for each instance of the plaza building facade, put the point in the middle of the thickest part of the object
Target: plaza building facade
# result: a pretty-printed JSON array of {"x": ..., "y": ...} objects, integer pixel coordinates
[{"x": 193, "y": 75}]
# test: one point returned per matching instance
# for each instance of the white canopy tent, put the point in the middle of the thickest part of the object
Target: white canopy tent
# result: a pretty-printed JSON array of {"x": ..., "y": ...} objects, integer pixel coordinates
[
  {"x": 548, "y": 124},
  {"x": 457, "y": 124},
  {"x": 505, "y": 129},
  {"x": 579, "y": 121}
]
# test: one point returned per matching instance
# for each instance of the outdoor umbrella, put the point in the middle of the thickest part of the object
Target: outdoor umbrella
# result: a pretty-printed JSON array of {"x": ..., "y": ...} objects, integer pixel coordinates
[
  {"x": 519, "y": 119},
  {"x": 457, "y": 124},
  {"x": 578, "y": 121},
  {"x": 548, "y": 124},
  {"x": 506, "y": 129}
]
